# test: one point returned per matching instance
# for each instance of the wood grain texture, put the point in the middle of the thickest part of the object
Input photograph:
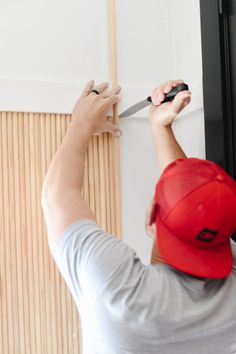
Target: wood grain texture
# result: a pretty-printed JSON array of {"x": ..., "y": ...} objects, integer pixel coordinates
[
  {"x": 115, "y": 146},
  {"x": 38, "y": 314}
]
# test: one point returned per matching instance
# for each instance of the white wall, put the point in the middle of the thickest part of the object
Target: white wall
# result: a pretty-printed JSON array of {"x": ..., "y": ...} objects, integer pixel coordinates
[{"x": 51, "y": 48}]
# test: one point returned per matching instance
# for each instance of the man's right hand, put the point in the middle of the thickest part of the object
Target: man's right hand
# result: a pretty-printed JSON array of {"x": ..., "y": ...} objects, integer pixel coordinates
[{"x": 163, "y": 114}]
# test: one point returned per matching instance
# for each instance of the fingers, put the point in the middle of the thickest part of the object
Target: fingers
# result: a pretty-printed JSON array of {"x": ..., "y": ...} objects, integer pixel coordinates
[
  {"x": 183, "y": 97},
  {"x": 112, "y": 99},
  {"x": 158, "y": 94},
  {"x": 116, "y": 91},
  {"x": 90, "y": 86},
  {"x": 101, "y": 87},
  {"x": 112, "y": 129},
  {"x": 87, "y": 89},
  {"x": 167, "y": 87},
  {"x": 112, "y": 96}
]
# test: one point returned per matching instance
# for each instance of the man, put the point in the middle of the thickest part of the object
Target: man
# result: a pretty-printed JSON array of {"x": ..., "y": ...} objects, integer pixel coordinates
[{"x": 184, "y": 305}]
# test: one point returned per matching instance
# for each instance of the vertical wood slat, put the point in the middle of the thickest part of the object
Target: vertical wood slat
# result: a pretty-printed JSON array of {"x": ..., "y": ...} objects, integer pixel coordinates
[
  {"x": 19, "y": 264},
  {"x": 7, "y": 231},
  {"x": 115, "y": 143},
  {"x": 107, "y": 183},
  {"x": 96, "y": 177},
  {"x": 45, "y": 267},
  {"x": 38, "y": 314},
  {"x": 112, "y": 184},
  {"x": 27, "y": 204},
  {"x": 3, "y": 285}
]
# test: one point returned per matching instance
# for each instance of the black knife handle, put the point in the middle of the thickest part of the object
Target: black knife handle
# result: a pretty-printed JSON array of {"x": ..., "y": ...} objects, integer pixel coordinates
[{"x": 171, "y": 95}]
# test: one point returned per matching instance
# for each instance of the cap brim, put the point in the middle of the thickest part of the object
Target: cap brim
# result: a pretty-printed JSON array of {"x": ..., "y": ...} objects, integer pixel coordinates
[{"x": 216, "y": 262}]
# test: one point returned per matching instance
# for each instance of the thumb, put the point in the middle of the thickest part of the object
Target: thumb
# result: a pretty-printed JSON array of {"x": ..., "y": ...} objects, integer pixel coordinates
[{"x": 114, "y": 130}]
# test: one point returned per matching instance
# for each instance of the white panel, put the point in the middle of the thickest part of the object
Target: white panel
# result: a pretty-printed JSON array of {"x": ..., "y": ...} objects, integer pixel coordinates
[
  {"x": 157, "y": 41},
  {"x": 36, "y": 96},
  {"x": 143, "y": 40},
  {"x": 139, "y": 172},
  {"x": 51, "y": 48},
  {"x": 43, "y": 42}
]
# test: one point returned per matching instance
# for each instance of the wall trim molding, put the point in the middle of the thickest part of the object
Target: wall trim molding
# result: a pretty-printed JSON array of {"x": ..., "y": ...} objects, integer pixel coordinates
[{"x": 60, "y": 97}]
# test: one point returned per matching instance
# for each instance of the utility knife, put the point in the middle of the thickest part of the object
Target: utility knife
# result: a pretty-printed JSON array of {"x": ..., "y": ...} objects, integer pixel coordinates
[{"x": 148, "y": 101}]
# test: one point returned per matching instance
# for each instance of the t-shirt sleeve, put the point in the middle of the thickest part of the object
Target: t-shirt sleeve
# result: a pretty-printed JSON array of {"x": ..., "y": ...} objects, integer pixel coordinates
[{"x": 92, "y": 261}]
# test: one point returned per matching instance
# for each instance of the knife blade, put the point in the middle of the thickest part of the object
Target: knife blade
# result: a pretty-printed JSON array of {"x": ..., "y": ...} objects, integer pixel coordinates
[{"x": 148, "y": 101}]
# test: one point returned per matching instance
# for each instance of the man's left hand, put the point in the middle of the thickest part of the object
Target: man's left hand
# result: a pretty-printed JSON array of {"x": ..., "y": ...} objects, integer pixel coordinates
[{"x": 91, "y": 109}]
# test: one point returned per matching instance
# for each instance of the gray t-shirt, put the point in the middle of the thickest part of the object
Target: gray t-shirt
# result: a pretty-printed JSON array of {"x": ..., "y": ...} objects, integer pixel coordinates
[{"x": 128, "y": 307}]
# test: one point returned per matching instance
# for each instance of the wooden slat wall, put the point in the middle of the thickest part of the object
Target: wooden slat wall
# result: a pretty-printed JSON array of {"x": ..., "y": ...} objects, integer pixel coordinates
[{"x": 38, "y": 315}]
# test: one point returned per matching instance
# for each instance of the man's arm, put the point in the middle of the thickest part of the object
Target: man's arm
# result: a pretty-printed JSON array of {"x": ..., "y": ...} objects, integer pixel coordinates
[
  {"x": 161, "y": 117},
  {"x": 166, "y": 146},
  {"x": 62, "y": 201}
]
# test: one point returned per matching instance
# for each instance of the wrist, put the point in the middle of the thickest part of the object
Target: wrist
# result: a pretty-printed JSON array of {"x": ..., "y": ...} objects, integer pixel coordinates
[
  {"x": 78, "y": 134},
  {"x": 81, "y": 126},
  {"x": 160, "y": 128},
  {"x": 162, "y": 117}
]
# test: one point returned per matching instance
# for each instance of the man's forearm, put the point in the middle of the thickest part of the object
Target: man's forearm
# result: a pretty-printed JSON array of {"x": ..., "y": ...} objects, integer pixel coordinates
[
  {"x": 66, "y": 171},
  {"x": 166, "y": 146},
  {"x": 61, "y": 198}
]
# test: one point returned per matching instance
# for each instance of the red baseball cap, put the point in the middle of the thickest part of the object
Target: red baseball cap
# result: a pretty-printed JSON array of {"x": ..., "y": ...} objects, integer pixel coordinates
[{"x": 195, "y": 206}]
